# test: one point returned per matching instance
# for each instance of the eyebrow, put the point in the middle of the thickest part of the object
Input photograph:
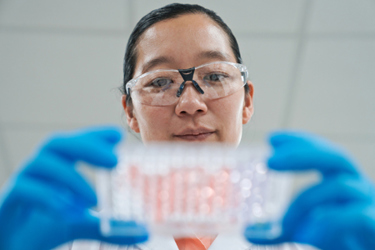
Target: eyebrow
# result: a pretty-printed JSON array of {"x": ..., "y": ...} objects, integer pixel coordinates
[
  {"x": 214, "y": 54},
  {"x": 210, "y": 54},
  {"x": 154, "y": 62}
]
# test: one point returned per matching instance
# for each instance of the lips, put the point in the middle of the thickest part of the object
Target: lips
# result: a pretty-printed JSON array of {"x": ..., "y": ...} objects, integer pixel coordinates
[{"x": 195, "y": 134}]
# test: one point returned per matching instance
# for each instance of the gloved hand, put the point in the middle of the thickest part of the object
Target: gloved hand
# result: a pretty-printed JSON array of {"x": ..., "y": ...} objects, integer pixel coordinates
[
  {"x": 47, "y": 203},
  {"x": 338, "y": 212}
]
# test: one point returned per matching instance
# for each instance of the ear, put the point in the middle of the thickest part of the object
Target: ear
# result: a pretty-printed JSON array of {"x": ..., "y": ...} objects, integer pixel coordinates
[
  {"x": 130, "y": 118},
  {"x": 248, "y": 107}
]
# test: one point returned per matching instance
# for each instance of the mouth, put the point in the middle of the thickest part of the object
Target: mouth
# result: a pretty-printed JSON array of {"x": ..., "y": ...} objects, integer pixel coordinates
[{"x": 194, "y": 134}]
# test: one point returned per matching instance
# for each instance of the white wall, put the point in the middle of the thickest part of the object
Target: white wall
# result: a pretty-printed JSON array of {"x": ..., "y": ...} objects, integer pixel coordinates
[{"x": 312, "y": 63}]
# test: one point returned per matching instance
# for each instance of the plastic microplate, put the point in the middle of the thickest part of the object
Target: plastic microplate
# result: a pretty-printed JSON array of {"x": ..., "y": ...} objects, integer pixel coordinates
[{"x": 192, "y": 189}]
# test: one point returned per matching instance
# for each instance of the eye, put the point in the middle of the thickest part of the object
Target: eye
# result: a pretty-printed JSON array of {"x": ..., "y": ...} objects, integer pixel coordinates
[
  {"x": 214, "y": 77},
  {"x": 161, "y": 82}
]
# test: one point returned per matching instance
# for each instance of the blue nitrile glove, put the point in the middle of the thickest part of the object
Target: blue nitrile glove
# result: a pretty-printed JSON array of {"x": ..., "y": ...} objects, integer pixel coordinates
[
  {"x": 338, "y": 212},
  {"x": 47, "y": 203}
]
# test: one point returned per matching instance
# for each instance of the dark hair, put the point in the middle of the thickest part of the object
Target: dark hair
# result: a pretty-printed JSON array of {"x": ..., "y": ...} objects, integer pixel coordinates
[{"x": 167, "y": 12}]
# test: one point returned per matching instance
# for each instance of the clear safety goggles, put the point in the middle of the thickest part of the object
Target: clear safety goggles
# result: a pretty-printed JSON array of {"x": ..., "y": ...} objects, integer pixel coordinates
[{"x": 164, "y": 87}]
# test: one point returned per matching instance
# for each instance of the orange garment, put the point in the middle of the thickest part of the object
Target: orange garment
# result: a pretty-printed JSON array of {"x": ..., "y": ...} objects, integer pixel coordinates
[{"x": 198, "y": 243}]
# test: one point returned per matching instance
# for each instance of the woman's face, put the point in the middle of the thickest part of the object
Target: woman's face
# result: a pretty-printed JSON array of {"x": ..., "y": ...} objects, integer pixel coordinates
[{"x": 181, "y": 43}]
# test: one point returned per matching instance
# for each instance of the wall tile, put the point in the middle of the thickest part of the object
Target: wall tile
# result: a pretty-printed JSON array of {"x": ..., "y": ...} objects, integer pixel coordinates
[
  {"x": 244, "y": 15},
  {"x": 335, "y": 89},
  {"x": 60, "y": 78},
  {"x": 80, "y": 14},
  {"x": 335, "y": 16},
  {"x": 270, "y": 63}
]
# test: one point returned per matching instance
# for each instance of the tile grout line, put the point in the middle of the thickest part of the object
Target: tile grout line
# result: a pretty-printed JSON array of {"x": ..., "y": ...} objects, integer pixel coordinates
[
  {"x": 341, "y": 35},
  {"x": 290, "y": 96},
  {"x": 121, "y": 32},
  {"x": 63, "y": 31}
]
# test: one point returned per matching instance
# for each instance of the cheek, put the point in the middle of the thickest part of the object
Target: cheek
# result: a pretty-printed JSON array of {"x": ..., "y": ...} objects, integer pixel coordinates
[
  {"x": 231, "y": 109},
  {"x": 229, "y": 113},
  {"x": 153, "y": 122}
]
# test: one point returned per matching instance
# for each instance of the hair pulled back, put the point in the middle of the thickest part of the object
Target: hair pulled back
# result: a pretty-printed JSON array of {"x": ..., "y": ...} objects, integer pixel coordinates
[{"x": 168, "y": 12}]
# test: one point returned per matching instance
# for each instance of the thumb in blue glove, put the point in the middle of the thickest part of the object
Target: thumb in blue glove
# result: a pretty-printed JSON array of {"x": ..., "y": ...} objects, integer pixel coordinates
[
  {"x": 338, "y": 212},
  {"x": 47, "y": 203}
]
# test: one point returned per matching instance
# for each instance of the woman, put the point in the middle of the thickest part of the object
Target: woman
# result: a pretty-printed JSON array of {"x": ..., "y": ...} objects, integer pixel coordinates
[{"x": 47, "y": 203}]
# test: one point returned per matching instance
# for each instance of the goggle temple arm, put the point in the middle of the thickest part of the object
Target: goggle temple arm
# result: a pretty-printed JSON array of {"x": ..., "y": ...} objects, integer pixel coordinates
[{"x": 244, "y": 76}]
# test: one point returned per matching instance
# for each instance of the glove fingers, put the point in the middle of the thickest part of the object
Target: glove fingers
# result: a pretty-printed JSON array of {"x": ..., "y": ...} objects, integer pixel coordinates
[
  {"x": 89, "y": 228},
  {"x": 110, "y": 134},
  {"x": 329, "y": 163},
  {"x": 249, "y": 235},
  {"x": 329, "y": 227},
  {"x": 32, "y": 193},
  {"x": 303, "y": 151},
  {"x": 60, "y": 173},
  {"x": 338, "y": 192},
  {"x": 95, "y": 147},
  {"x": 333, "y": 227},
  {"x": 284, "y": 138}
]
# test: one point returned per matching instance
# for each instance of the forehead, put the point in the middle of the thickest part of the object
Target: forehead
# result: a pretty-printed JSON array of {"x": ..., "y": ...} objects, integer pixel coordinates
[{"x": 183, "y": 42}]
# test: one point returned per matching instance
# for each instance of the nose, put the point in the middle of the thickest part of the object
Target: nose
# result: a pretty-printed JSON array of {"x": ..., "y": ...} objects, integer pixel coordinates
[{"x": 190, "y": 102}]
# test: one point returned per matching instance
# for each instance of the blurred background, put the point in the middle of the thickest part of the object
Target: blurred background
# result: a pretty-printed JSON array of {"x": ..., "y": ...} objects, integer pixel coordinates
[{"x": 312, "y": 63}]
